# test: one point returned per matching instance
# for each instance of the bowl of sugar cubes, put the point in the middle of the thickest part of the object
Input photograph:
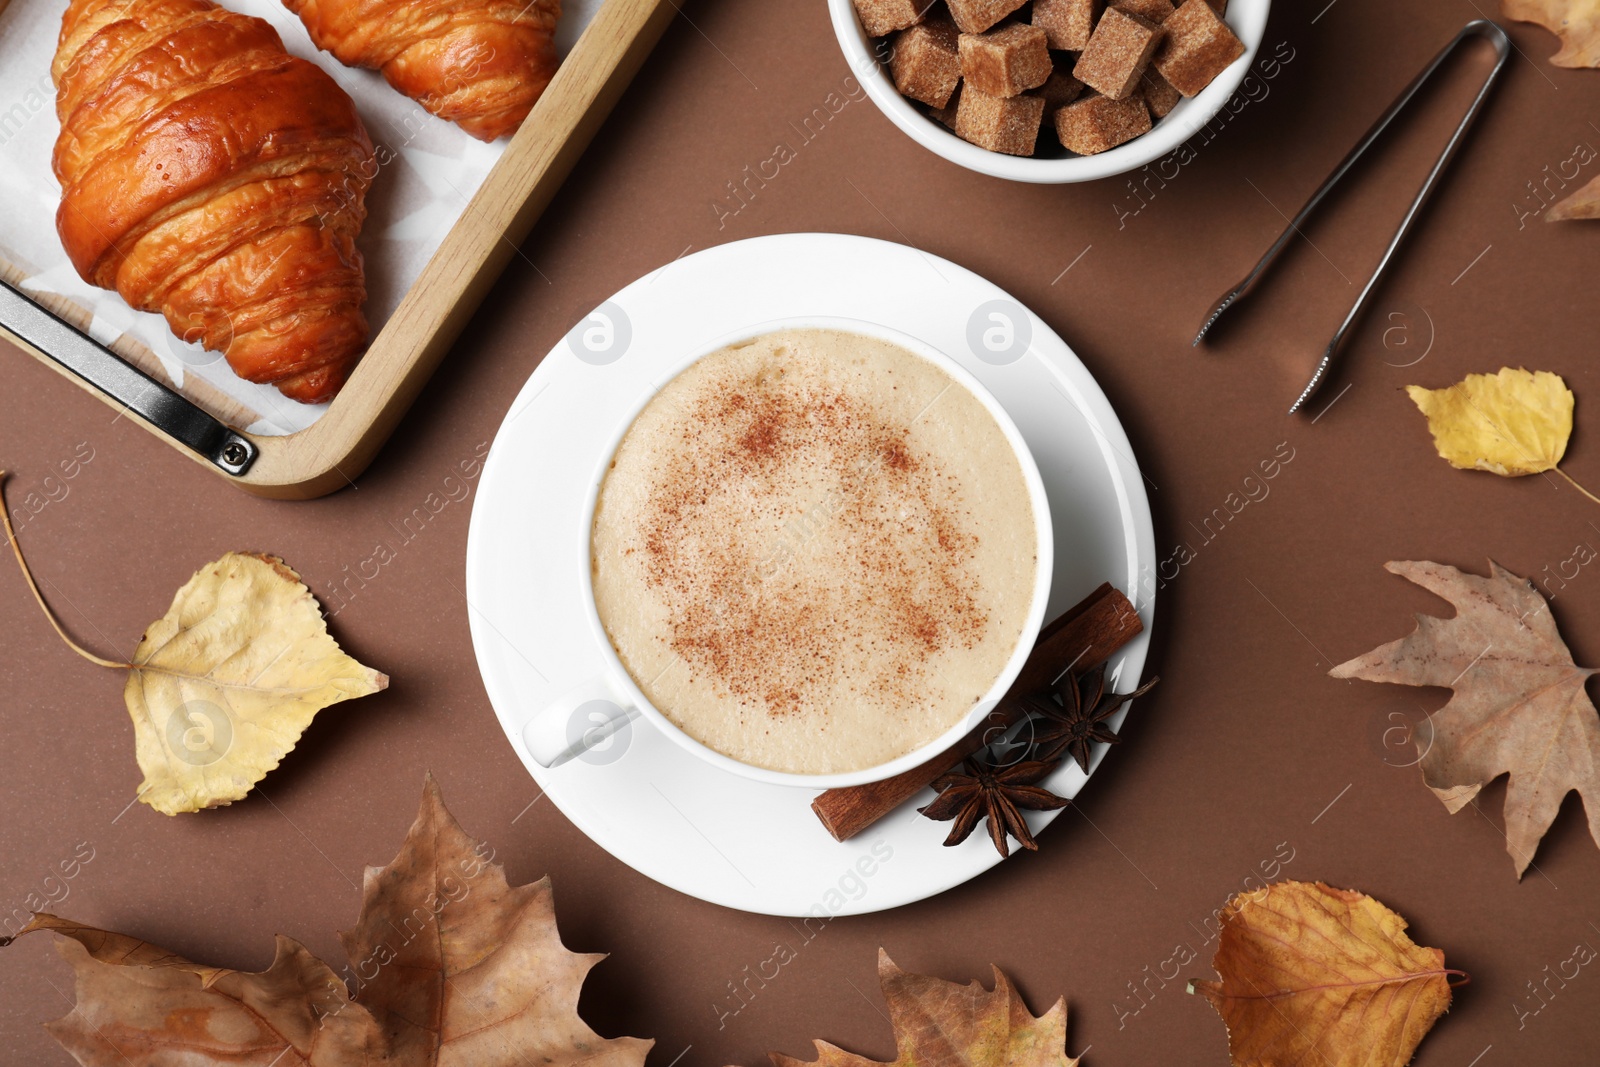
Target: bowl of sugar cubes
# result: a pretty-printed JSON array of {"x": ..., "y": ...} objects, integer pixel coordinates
[{"x": 1050, "y": 91}]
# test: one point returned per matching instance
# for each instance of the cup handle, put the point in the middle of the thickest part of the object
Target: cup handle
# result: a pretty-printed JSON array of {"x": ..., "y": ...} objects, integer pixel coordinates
[{"x": 586, "y": 718}]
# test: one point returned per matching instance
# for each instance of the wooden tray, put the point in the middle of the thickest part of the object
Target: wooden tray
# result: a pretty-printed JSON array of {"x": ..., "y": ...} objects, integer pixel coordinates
[{"x": 339, "y": 445}]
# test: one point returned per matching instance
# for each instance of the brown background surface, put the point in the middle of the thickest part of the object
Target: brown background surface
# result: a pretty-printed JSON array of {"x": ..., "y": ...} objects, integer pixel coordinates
[{"x": 1236, "y": 757}]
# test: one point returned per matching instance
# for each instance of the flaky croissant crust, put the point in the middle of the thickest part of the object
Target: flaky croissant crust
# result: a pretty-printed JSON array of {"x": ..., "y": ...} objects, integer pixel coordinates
[
  {"x": 209, "y": 175},
  {"x": 481, "y": 64}
]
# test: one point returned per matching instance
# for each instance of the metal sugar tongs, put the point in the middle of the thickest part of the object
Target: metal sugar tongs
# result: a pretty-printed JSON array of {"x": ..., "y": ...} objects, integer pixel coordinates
[{"x": 1476, "y": 28}]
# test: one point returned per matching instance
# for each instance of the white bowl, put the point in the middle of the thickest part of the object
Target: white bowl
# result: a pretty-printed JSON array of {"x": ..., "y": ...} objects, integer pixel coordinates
[{"x": 1247, "y": 18}]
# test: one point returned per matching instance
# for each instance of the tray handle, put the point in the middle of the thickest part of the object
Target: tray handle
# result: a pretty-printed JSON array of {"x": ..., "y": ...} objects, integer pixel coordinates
[{"x": 80, "y": 355}]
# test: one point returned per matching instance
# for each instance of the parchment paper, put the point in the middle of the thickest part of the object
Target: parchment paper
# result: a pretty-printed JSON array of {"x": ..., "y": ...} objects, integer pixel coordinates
[{"x": 432, "y": 170}]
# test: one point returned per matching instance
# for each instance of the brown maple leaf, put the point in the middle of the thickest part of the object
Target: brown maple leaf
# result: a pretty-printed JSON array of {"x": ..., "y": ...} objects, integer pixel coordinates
[
  {"x": 1518, "y": 706},
  {"x": 947, "y": 1024},
  {"x": 1313, "y": 975},
  {"x": 1576, "y": 22},
  {"x": 141, "y": 1005},
  {"x": 451, "y": 965},
  {"x": 470, "y": 969}
]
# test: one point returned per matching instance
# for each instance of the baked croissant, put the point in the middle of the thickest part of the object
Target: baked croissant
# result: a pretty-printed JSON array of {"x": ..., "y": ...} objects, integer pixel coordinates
[
  {"x": 209, "y": 175},
  {"x": 481, "y": 64}
]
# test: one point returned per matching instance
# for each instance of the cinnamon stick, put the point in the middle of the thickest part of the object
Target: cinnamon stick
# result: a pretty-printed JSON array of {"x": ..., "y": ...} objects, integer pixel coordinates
[{"x": 1082, "y": 638}]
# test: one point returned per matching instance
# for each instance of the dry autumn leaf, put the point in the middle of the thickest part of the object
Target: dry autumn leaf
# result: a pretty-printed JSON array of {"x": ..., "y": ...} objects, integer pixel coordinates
[
  {"x": 1518, "y": 704},
  {"x": 1316, "y": 975},
  {"x": 451, "y": 965},
  {"x": 488, "y": 982},
  {"x": 1583, "y": 204},
  {"x": 140, "y": 1005},
  {"x": 953, "y": 1025},
  {"x": 1512, "y": 423},
  {"x": 1576, "y": 22},
  {"x": 222, "y": 686}
]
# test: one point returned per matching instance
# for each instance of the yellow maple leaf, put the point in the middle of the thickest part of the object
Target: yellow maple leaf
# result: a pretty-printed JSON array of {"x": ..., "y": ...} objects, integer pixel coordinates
[
  {"x": 1512, "y": 423},
  {"x": 1317, "y": 975},
  {"x": 222, "y": 686}
]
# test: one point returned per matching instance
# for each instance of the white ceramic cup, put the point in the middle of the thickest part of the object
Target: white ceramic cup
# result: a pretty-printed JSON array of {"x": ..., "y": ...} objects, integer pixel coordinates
[
  {"x": 589, "y": 717},
  {"x": 1247, "y": 19}
]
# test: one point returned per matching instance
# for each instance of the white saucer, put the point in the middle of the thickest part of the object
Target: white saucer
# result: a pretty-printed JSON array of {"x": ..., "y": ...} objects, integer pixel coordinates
[{"x": 643, "y": 798}]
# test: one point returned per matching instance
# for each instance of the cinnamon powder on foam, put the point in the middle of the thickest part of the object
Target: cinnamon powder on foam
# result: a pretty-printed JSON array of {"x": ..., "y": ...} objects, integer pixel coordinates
[
  {"x": 797, "y": 544},
  {"x": 767, "y": 636}
]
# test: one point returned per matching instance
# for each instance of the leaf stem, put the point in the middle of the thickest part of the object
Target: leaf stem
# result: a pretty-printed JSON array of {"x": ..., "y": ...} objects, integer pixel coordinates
[
  {"x": 16, "y": 547},
  {"x": 1576, "y": 486}
]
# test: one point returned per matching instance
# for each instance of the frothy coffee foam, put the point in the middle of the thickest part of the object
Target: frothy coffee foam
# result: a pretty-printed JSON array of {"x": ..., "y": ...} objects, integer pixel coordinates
[{"x": 814, "y": 551}]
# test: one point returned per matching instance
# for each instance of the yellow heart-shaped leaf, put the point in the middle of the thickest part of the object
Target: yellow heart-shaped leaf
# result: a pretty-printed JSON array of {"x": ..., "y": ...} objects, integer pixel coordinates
[
  {"x": 1512, "y": 423},
  {"x": 224, "y": 683}
]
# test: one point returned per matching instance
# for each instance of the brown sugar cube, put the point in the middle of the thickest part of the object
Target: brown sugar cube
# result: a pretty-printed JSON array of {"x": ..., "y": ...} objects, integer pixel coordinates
[
  {"x": 1058, "y": 90},
  {"x": 1154, "y": 10},
  {"x": 926, "y": 63},
  {"x": 1118, "y": 51},
  {"x": 1008, "y": 124},
  {"x": 1159, "y": 95},
  {"x": 1095, "y": 123},
  {"x": 975, "y": 16},
  {"x": 1219, "y": 6},
  {"x": 1197, "y": 47},
  {"x": 881, "y": 17},
  {"x": 1067, "y": 23},
  {"x": 1006, "y": 61},
  {"x": 946, "y": 116}
]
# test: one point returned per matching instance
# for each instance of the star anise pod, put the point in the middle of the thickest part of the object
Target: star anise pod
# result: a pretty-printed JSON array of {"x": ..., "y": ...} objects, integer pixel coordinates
[
  {"x": 1074, "y": 717},
  {"x": 984, "y": 791}
]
